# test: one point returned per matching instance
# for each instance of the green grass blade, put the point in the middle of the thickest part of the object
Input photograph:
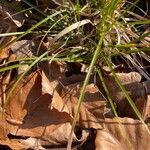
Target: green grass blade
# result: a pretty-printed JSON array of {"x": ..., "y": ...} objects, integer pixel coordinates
[
  {"x": 126, "y": 95},
  {"x": 106, "y": 91},
  {"x": 30, "y": 29},
  {"x": 59, "y": 35},
  {"x": 9, "y": 67},
  {"x": 21, "y": 77}
]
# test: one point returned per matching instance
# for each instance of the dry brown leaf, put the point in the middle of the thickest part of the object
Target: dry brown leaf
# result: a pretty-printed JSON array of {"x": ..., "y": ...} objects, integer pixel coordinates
[
  {"x": 7, "y": 25},
  {"x": 3, "y": 127},
  {"x": 4, "y": 82},
  {"x": 135, "y": 89},
  {"x": 12, "y": 16},
  {"x": 28, "y": 91},
  {"x": 23, "y": 48},
  {"x": 28, "y": 114},
  {"x": 5, "y": 52},
  {"x": 50, "y": 88},
  {"x": 129, "y": 77},
  {"x": 92, "y": 109},
  {"x": 12, "y": 144},
  {"x": 55, "y": 70},
  {"x": 147, "y": 110},
  {"x": 128, "y": 134}
]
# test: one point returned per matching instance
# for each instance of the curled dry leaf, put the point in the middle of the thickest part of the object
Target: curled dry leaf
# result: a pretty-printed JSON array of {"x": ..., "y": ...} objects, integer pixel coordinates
[
  {"x": 92, "y": 109},
  {"x": 28, "y": 114},
  {"x": 122, "y": 134}
]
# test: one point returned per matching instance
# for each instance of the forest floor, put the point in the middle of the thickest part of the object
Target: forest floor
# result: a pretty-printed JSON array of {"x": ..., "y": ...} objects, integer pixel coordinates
[{"x": 74, "y": 74}]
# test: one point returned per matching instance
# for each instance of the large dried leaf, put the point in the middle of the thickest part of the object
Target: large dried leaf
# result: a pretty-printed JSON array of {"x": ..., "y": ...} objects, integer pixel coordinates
[
  {"x": 92, "y": 109},
  {"x": 123, "y": 135},
  {"x": 28, "y": 114}
]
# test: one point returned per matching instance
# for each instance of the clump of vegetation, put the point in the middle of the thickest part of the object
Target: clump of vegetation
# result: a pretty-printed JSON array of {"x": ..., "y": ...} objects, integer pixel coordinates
[{"x": 95, "y": 33}]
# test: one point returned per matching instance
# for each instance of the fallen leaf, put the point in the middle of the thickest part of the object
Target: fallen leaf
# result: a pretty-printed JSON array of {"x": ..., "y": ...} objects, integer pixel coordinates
[
  {"x": 6, "y": 26},
  {"x": 4, "y": 82},
  {"x": 23, "y": 48},
  {"x": 28, "y": 114},
  {"x": 12, "y": 16},
  {"x": 122, "y": 135},
  {"x": 3, "y": 127},
  {"x": 135, "y": 89},
  {"x": 147, "y": 110},
  {"x": 12, "y": 144}
]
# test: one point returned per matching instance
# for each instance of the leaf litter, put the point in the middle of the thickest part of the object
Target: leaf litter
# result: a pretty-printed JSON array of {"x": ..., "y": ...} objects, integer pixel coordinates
[
  {"x": 41, "y": 109},
  {"x": 41, "y": 114}
]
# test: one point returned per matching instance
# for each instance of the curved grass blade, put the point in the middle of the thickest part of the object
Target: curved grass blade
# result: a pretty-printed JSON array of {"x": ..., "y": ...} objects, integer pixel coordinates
[{"x": 72, "y": 27}]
